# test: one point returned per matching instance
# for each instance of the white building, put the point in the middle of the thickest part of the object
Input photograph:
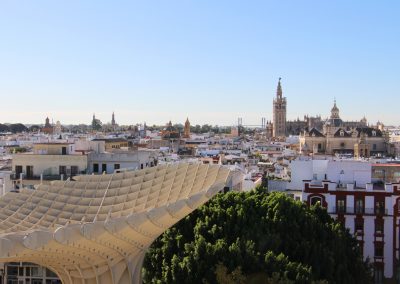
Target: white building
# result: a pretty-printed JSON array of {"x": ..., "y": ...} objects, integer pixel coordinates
[
  {"x": 109, "y": 162},
  {"x": 369, "y": 210}
]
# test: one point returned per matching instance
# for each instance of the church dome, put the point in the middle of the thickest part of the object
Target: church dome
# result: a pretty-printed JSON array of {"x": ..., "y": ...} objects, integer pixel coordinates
[
  {"x": 335, "y": 122},
  {"x": 335, "y": 108},
  {"x": 335, "y": 111}
]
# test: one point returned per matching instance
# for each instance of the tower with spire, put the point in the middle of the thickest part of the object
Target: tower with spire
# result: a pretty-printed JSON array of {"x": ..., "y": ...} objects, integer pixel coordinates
[
  {"x": 279, "y": 113},
  {"x": 186, "y": 130},
  {"x": 47, "y": 123},
  {"x": 113, "y": 120}
]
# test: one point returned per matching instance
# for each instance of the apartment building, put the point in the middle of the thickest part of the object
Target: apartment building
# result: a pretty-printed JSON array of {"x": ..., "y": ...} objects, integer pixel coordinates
[
  {"x": 109, "y": 162},
  {"x": 369, "y": 208},
  {"x": 48, "y": 161}
]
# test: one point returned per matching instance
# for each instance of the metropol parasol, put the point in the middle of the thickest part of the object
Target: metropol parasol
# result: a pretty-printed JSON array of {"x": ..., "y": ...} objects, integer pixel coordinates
[{"x": 97, "y": 228}]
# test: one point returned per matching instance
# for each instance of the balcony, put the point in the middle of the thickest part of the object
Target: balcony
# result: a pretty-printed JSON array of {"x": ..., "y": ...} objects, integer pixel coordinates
[{"x": 364, "y": 211}]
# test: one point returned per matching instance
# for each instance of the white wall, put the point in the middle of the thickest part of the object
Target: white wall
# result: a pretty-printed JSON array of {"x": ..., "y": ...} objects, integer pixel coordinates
[
  {"x": 48, "y": 164},
  {"x": 369, "y": 230},
  {"x": 128, "y": 160},
  {"x": 350, "y": 201},
  {"x": 388, "y": 246},
  {"x": 389, "y": 203},
  {"x": 301, "y": 170},
  {"x": 369, "y": 202},
  {"x": 331, "y": 200},
  {"x": 320, "y": 168},
  {"x": 357, "y": 171},
  {"x": 86, "y": 145},
  {"x": 350, "y": 223}
]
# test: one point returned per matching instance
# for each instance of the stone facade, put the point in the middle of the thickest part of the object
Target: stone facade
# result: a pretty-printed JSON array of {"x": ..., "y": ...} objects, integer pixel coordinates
[{"x": 338, "y": 138}]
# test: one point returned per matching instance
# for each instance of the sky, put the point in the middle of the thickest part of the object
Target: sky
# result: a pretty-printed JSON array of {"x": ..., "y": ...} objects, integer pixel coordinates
[{"x": 212, "y": 61}]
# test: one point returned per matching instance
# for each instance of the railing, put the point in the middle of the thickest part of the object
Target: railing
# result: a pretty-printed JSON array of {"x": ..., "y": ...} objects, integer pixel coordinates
[
  {"x": 358, "y": 210},
  {"x": 44, "y": 177}
]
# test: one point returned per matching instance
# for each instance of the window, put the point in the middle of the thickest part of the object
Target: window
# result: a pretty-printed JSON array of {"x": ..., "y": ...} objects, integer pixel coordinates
[
  {"x": 341, "y": 204},
  {"x": 104, "y": 168},
  {"x": 319, "y": 146},
  {"x": 379, "y": 226},
  {"x": 380, "y": 206},
  {"x": 315, "y": 200},
  {"x": 18, "y": 170},
  {"x": 341, "y": 133},
  {"x": 359, "y": 206},
  {"x": 62, "y": 170},
  {"x": 378, "y": 251},
  {"x": 64, "y": 151},
  {"x": 50, "y": 273},
  {"x": 373, "y": 133},
  {"x": 378, "y": 275},
  {"x": 374, "y": 147},
  {"x": 96, "y": 168},
  {"x": 74, "y": 170},
  {"x": 117, "y": 166},
  {"x": 12, "y": 270},
  {"x": 29, "y": 171},
  {"x": 37, "y": 271},
  {"x": 358, "y": 224}
]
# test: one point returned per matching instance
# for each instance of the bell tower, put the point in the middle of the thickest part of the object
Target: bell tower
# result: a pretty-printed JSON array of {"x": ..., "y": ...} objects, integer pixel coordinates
[
  {"x": 186, "y": 131},
  {"x": 279, "y": 113}
]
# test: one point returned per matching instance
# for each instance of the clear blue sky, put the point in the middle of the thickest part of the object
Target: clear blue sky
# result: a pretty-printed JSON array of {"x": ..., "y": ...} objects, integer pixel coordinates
[{"x": 212, "y": 61}]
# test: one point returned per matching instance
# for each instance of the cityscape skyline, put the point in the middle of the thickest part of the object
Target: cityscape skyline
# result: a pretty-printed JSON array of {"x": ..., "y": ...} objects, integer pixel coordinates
[
  {"x": 266, "y": 125},
  {"x": 211, "y": 62}
]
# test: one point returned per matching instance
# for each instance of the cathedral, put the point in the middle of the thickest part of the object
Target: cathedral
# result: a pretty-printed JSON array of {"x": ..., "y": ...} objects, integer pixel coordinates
[
  {"x": 48, "y": 128},
  {"x": 339, "y": 137}
]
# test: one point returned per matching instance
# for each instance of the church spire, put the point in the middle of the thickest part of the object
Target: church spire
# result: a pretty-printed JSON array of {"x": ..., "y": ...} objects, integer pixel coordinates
[
  {"x": 113, "y": 119},
  {"x": 279, "y": 89}
]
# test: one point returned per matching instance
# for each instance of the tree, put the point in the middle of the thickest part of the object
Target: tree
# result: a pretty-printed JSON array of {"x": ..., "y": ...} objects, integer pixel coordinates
[
  {"x": 18, "y": 127},
  {"x": 255, "y": 235},
  {"x": 34, "y": 128},
  {"x": 96, "y": 124},
  {"x": 4, "y": 128}
]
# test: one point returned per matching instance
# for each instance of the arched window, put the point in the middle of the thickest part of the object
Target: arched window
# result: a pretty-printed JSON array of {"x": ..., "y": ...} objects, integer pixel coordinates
[
  {"x": 342, "y": 132},
  {"x": 316, "y": 199}
]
